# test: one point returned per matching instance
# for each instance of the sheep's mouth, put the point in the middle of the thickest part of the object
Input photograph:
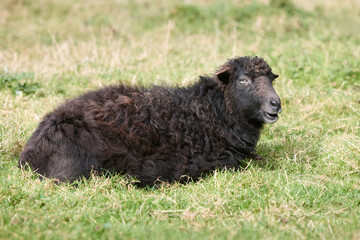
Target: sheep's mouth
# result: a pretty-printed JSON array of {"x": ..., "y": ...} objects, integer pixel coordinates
[{"x": 270, "y": 117}]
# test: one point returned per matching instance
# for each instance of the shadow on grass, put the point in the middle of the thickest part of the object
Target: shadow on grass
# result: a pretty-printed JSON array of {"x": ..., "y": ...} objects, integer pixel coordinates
[{"x": 285, "y": 153}]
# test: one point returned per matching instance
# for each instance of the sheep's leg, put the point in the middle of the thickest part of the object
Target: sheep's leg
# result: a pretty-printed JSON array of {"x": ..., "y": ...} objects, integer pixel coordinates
[
  {"x": 57, "y": 151},
  {"x": 255, "y": 156},
  {"x": 154, "y": 172},
  {"x": 70, "y": 167},
  {"x": 62, "y": 162}
]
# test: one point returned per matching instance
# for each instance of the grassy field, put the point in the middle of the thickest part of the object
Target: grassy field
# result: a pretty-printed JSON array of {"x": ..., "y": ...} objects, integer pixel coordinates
[{"x": 307, "y": 186}]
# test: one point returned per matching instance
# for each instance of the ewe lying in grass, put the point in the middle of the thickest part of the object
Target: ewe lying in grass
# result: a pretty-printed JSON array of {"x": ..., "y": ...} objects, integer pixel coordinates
[{"x": 158, "y": 134}]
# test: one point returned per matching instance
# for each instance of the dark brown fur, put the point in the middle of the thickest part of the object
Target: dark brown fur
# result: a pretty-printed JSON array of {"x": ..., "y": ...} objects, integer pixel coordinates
[{"x": 159, "y": 133}]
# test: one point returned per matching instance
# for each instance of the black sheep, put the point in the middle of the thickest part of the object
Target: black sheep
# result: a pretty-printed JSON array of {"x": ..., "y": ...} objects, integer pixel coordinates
[{"x": 158, "y": 134}]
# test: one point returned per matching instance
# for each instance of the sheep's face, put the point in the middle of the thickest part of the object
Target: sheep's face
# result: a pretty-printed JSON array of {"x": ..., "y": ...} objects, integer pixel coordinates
[{"x": 248, "y": 89}]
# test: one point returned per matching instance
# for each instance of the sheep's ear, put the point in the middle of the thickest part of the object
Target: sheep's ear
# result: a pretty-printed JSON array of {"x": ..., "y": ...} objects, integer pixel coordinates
[
  {"x": 224, "y": 74},
  {"x": 275, "y": 75}
]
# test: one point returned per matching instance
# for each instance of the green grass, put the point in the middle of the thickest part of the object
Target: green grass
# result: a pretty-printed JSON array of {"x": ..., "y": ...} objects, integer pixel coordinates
[{"x": 307, "y": 186}]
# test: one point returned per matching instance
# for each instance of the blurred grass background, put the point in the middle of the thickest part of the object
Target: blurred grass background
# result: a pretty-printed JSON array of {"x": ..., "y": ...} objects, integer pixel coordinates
[{"x": 307, "y": 186}]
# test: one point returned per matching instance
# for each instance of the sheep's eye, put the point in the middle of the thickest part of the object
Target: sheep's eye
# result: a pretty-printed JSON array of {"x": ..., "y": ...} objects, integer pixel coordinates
[{"x": 243, "y": 81}]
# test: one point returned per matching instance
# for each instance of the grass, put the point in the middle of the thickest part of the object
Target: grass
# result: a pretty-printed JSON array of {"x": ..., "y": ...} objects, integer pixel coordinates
[{"x": 307, "y": 186}]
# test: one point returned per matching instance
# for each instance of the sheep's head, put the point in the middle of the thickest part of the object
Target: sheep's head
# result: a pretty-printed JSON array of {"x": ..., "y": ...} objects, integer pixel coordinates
[{"x": 248, "y": 89}]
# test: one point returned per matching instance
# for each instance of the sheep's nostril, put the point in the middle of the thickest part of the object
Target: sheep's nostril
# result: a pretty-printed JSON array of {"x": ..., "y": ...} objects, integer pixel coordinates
[{"x": 275, "y": 105}]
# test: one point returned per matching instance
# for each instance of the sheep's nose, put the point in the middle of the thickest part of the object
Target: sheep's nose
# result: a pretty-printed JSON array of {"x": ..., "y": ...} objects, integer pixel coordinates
[{"x": 275, "y": 105}]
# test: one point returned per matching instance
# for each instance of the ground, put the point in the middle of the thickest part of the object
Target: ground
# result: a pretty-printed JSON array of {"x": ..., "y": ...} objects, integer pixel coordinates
[{"x": 307, "y": 185}]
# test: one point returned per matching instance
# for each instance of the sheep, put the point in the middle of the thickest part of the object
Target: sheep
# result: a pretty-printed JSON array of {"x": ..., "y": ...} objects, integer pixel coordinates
[{"x": 158, "y": 134}]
